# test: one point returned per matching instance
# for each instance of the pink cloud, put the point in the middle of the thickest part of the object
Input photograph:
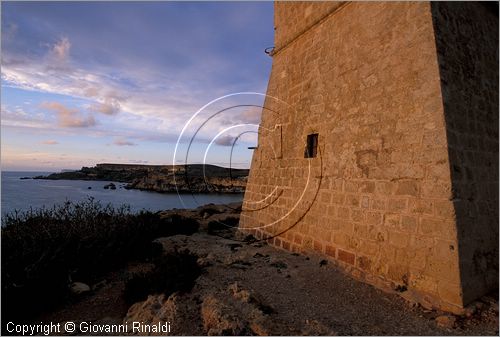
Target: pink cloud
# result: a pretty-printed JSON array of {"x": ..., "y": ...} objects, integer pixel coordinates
[
  {"x": 123, "y": 142},
  {"x": 60, "y": 50},
  {"x": 50, "y": 142},
  {"x": 109, "y": 107},
  {"x": 225, "y": 140},
  {"x": 69, "y": 117}
]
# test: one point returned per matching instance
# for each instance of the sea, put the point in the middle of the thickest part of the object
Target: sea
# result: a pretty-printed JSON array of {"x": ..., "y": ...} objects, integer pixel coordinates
[{"x": 23, "y": 194}]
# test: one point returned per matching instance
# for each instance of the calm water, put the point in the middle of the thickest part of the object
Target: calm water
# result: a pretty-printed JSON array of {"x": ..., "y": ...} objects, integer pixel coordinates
[{"x": 23, "y": 194}]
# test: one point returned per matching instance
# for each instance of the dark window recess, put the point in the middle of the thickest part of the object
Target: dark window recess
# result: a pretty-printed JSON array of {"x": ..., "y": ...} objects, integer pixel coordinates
[{"x": 311, "y": 146}]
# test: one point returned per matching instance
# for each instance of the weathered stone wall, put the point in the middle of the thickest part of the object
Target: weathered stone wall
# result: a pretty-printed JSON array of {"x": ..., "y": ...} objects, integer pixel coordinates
[
  {"x": 301, "y": 15},
  {"x": 378, "y": 198},
  {"x": 467, "y": 45}
]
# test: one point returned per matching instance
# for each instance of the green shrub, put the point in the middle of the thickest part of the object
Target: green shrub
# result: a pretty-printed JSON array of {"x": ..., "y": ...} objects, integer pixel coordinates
[{"x": 44, "y": 250}]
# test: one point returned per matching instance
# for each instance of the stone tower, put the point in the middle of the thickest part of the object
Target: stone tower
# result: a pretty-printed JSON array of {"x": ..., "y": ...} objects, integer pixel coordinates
[{"x": 378, "y": 145}]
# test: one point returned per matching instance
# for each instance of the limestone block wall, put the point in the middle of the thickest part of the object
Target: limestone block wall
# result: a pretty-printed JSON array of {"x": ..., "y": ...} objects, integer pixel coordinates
[
  {"x": 467, "y": 45},
  {"x": 301, "y": 15},
  {"x": 377, "y": 199}
]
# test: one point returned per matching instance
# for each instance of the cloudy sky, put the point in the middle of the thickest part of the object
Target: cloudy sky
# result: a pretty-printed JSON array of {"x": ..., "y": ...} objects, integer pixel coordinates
[{"x": 84, "y": 83}]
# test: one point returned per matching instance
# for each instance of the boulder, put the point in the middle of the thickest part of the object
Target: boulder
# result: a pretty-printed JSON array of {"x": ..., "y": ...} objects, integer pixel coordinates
[
  {"x": 446, "y": 321},
  {"x": 79, "y": 288},
  {"x": 181, "y": 310},
  {"x": 219, "y": 319}
]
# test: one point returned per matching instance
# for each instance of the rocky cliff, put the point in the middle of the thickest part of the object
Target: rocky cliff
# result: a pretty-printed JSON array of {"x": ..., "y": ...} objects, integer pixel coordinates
[
  {"x": 196, "y": 178},
  {"x": 166, "y": 183}
]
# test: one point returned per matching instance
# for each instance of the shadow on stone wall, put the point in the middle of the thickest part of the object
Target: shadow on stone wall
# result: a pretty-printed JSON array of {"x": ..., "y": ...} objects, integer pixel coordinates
[{"x": 467, "y": 46}]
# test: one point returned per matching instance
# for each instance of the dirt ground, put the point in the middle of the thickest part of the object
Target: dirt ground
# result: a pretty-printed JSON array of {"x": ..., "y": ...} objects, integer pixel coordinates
[{"x": 255, "y": 289}]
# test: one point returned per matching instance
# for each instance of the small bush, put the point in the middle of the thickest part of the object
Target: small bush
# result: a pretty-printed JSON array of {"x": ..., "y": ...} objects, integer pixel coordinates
[
  {"x": 209, "y": 211},
  {"x": 222, "y": 225},
  {"x": 172, "y": 272},
  {"x": 44, "y": 250},
  {"x": 178, "y": 224},
  {"x": 249, "y": 239}
]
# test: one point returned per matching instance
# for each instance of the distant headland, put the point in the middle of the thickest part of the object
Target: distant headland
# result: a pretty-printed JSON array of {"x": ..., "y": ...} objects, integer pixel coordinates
[{"x": 195, "y": 178}]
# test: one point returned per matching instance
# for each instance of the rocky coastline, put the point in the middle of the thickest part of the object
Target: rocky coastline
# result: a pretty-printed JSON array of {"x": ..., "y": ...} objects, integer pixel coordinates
[{"x": 194, "y": 178}]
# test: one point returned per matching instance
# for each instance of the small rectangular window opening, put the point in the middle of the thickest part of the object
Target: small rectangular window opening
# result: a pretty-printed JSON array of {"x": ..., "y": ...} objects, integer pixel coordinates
[{"x": 311, "y": 146}]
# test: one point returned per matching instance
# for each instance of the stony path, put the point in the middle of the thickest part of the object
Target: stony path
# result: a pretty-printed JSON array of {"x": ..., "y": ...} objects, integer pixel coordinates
[{"x": 308, "y": 297}]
